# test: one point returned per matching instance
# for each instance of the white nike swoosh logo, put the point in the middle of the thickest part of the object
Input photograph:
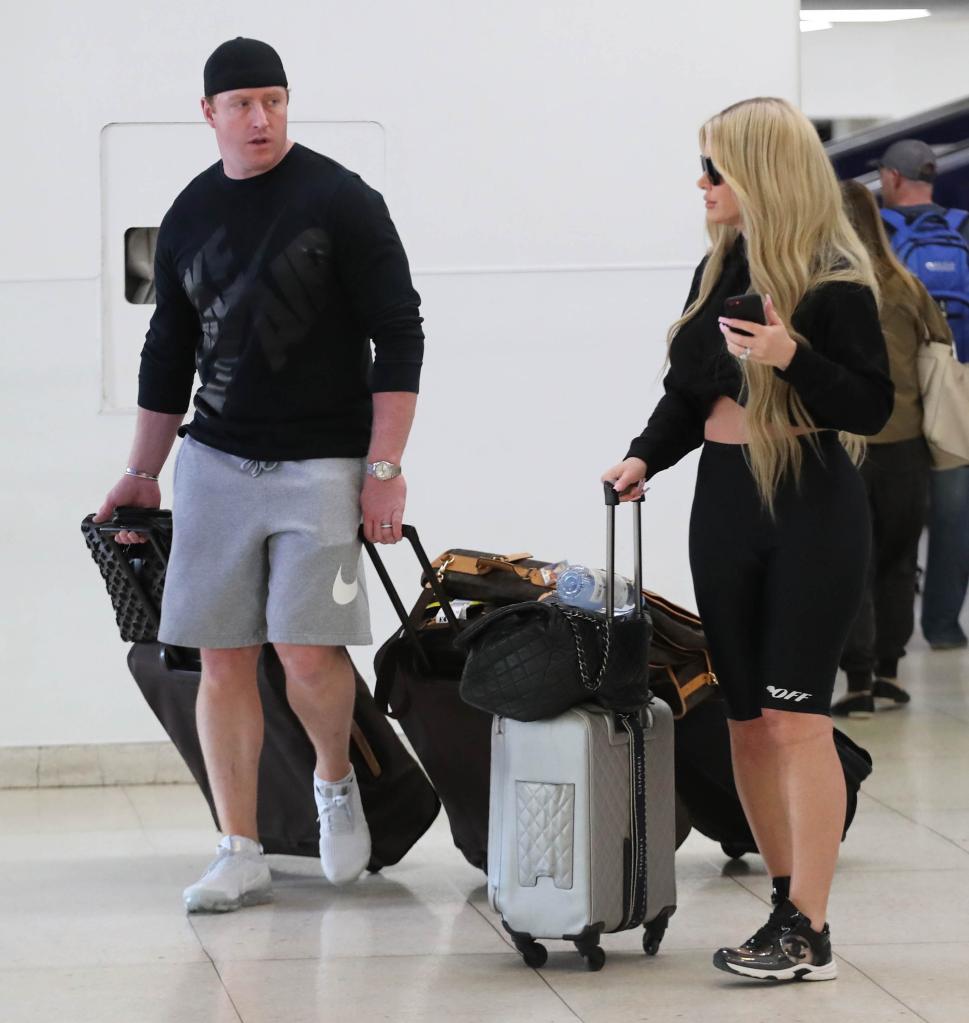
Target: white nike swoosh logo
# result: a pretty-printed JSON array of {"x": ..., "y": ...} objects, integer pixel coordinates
[{"x": 344, "y": 592}]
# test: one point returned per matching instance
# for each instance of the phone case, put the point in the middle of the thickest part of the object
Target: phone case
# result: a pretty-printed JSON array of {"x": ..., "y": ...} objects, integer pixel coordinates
[{"x": 745, "y": 307}]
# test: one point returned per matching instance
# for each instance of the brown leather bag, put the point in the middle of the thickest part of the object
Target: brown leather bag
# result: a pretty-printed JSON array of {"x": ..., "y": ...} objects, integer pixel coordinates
[
  {"x": 680, "y": 672},
  {"x": 493, "y": 578}
]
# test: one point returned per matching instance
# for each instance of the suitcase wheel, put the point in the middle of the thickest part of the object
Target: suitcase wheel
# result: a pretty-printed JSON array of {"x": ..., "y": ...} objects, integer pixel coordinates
[
  {"x": 595, "y": 959},
  {"x": 534, "y": 954},
  {"x": 733, "y": 849},
  {"x": 587, "y": 945},
  {"x": 655, "y": 929},
  {"x": 651, "y": 942}
]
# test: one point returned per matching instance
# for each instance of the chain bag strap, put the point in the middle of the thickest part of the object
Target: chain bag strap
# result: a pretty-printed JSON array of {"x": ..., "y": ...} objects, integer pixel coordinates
[{"x": 604, "y": 630}]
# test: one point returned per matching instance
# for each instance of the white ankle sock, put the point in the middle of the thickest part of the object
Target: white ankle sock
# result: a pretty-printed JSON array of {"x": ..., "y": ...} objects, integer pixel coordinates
[
  {"x": 239, "y": 843},
  {"x": 341, "y": 781}
]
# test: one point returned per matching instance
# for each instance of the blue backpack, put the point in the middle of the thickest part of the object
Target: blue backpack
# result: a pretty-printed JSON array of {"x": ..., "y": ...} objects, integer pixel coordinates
[{"x": 933, "y": 248}]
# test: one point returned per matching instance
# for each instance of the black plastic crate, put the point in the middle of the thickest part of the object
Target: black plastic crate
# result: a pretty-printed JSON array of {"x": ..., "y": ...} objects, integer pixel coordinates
[{"x": 134, "y": 574}]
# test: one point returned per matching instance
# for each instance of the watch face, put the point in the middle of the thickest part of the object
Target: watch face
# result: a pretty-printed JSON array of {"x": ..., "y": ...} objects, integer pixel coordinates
[{"x": 384, "y": 470}]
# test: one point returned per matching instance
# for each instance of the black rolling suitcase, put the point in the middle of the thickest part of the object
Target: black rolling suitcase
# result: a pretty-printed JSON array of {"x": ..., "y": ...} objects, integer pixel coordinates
[
  {"x": 705, "y": 782},
  {"x": 418, "y": 672},
  {"x": 398, "y": 801}
]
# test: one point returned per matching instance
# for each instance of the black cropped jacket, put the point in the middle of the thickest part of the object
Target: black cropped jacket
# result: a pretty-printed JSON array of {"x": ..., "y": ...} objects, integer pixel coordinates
[{"x": 842, "y": 378}]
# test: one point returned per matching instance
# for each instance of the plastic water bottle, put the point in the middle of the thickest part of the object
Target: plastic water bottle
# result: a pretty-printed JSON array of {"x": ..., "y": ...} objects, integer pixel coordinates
[{"x": 585, "y": 588}]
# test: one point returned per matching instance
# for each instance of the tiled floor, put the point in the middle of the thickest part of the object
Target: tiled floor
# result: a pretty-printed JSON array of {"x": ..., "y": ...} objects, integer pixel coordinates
[{"x": 93, "y": 928}]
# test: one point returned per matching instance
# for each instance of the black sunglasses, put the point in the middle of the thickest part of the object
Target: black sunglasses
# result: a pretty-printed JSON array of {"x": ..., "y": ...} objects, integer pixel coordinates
[{"x": 709, "y": 168}]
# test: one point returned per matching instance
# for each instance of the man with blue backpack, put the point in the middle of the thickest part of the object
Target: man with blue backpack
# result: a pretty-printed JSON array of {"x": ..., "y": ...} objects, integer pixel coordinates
[{"x": 933, "y": 242}]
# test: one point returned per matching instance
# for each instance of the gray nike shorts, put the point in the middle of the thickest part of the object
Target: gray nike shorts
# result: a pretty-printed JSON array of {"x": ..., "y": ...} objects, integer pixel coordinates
[{"x": 264, "y": 552}]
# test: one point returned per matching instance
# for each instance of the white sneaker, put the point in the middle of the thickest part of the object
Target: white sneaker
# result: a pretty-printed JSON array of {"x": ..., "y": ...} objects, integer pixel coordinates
[
  {"x": 344, "y": 835},
  {"x": 238, "y": 876}
]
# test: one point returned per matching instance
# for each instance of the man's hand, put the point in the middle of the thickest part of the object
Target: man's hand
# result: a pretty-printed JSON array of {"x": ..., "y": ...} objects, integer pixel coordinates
[
  {"x": 382, "y": 504},
  {"x": 134, "y": 492}
]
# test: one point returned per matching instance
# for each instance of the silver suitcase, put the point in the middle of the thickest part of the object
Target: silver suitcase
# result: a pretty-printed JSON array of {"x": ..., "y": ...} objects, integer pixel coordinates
[{"x": 582, "y": 829}]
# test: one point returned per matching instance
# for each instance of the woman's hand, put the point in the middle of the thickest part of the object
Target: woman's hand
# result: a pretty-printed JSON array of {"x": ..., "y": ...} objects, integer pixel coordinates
[
  {"x": 770, "y": 345},
  {"x": 628, "y": 477}
]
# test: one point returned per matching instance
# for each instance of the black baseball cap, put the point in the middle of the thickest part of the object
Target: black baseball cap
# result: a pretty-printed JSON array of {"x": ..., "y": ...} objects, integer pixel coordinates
[
  {"x": 912, "y": 158},
  {"x": 243, "y": 64}
]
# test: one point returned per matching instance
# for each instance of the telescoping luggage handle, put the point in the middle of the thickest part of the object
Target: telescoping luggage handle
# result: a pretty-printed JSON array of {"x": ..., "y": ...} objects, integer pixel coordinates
[
  {"x": 612, "y": 502},
  {"x": 410, "y": 534},
  {"x": 634, "y": 897}
]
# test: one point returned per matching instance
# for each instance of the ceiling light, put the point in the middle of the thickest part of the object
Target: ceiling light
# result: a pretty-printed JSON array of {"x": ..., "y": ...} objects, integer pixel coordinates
[{"x": 907, "y": 14}]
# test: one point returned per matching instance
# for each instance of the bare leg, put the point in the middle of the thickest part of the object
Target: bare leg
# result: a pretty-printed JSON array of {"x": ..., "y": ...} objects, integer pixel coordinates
[
  {"x": 816, "y": 800},
  {"x": 320, "y": 689},
  {"x": 759, "y": 775},
  {"x": 230, "y": 724}
]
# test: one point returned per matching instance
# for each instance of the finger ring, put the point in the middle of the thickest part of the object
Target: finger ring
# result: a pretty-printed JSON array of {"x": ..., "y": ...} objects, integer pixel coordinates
[
  {"x": 746, "y": 354},
  {"x": 386, "y": 525}
]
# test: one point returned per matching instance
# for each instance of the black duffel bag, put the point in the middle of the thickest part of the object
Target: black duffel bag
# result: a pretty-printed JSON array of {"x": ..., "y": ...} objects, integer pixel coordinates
[
  {"x": 705, "y": 780},
  {"x": 535, "y": 660}
]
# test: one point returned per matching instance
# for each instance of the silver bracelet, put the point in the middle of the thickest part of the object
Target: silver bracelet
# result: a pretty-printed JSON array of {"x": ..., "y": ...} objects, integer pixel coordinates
[{"x": 141, "y": 475}]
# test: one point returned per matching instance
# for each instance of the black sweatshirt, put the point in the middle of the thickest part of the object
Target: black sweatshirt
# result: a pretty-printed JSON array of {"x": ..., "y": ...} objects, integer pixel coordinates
[
  {"x": 842, "y": 378},
  {"x": 272, "y": 288}
]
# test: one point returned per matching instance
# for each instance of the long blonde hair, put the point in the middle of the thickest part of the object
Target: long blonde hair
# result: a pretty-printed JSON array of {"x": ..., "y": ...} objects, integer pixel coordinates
[
  {"x": 863, "y": 214},
  {"x": 798, "y": 237}
]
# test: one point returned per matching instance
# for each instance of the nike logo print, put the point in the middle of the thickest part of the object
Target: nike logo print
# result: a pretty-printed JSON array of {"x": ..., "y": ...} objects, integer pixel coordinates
[{"x": 344, "y": 592}]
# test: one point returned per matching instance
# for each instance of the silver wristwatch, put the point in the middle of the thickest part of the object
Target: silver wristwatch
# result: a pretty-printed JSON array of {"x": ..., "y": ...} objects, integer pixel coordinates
[{"x": 383, "y": 470}]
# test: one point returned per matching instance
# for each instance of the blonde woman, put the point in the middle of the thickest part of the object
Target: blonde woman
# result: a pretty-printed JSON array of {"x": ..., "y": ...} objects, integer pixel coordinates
[
  {"x": 779, "y": 533},
  {"x": 896, "y": 474}
]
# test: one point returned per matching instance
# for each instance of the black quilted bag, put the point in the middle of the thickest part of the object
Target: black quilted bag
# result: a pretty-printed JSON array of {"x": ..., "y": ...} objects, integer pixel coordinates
[{"x": 535, "y": 660}]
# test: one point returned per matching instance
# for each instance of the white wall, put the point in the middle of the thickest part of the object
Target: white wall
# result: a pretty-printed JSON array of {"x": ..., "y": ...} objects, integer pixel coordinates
[
  {"x": 884, "y": 71},
  {"x": 540, "y": 165}
]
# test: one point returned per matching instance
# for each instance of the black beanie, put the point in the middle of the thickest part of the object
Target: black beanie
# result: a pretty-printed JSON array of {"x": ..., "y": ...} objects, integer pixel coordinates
[{"x": 243, "y": 64}]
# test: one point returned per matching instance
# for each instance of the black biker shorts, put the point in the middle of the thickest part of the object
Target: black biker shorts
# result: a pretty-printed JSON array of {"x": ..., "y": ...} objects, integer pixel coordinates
[{"x": 778, "y": 595}]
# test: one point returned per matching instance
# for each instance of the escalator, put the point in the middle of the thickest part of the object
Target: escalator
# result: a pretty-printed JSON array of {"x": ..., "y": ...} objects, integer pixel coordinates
[{"x": 945, "y": 128}]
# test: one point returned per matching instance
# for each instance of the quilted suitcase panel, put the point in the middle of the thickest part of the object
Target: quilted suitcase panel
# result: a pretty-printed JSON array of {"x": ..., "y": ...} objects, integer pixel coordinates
[
  {"x": 547, "y": 758},
  {"x": 559, "y": 822}
]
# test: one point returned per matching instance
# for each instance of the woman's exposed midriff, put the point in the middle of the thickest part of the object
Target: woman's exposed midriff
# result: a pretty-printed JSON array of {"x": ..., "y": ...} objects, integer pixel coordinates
[{"x": 727, "y": 423}]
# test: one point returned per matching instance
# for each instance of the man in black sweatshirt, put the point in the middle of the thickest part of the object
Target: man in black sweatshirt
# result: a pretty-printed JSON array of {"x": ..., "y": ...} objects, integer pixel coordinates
[{"x": 275, "y": 270}]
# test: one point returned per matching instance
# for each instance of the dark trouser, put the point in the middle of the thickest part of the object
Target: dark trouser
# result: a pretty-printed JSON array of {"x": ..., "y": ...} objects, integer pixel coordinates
[
  {"x": 897, "y": 480},
  {"x": 947, "y": 566}
]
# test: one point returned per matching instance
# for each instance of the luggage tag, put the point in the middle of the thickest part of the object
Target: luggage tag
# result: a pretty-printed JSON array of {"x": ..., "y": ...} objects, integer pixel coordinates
[{"x": 461, "y": 609}]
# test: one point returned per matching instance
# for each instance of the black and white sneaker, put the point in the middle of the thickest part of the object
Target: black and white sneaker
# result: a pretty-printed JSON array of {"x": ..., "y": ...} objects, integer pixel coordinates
[
  {"x": 889, "y": 694},
  {"x": 785, "y": 948},
  {"x": 859, "y": 706}
]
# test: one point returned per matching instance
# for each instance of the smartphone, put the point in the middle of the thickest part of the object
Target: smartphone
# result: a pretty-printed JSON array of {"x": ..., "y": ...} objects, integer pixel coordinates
[{"x": 745, "y": 307}]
